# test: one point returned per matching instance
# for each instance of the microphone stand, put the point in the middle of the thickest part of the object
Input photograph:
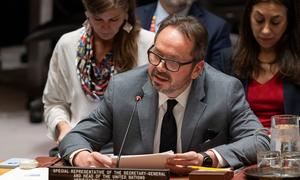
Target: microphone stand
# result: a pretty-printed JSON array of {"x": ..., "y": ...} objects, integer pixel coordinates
[{"x": 138, "y": 98}]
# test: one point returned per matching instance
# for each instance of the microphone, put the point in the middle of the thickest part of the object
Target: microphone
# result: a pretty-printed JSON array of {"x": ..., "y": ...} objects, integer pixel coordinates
[{"x": 138, "y": 97}]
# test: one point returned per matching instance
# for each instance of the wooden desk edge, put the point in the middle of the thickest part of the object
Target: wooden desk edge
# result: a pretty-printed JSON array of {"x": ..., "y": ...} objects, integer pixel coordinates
[
  {"x": 3, "y": 170},
  {"x": 45, "y": 161}
]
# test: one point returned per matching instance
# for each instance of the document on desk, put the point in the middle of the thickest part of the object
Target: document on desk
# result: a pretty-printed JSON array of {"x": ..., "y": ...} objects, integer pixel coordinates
[
  {"x": 26, "y": 174},
  {"x": 144, "y": 161}
]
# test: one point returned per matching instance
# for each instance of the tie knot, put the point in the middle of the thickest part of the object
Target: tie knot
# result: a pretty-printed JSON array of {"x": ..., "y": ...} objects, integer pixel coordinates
[{"x": 171, "y": 104}]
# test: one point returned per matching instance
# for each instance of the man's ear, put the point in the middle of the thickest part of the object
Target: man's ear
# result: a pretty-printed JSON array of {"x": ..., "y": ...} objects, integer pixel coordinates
[{"x": 198, "y": 69}]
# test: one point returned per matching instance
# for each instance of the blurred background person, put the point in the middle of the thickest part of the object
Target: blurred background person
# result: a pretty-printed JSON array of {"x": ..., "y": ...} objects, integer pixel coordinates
[
  {"x": 268, "y": 57},
  {"x": 151, "y": 15},
  {"x": 84, "y": 61}
]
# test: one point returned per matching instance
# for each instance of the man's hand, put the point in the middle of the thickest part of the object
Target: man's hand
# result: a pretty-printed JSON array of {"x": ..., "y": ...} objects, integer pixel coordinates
[
  {"x": 179, "y": 162},
  {"x": 92, "y": 159}
]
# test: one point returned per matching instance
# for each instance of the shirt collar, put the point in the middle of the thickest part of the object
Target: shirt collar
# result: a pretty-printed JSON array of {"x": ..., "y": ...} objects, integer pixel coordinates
[
  {"x": 161, "y": 13},
  {"x": 181, "y": 99}
]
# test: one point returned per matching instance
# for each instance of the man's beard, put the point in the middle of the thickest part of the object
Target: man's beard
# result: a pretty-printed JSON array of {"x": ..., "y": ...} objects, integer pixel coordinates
[{"x": 157, "y": 86}]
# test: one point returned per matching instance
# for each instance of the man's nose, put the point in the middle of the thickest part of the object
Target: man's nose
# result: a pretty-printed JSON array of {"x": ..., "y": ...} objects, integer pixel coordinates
[{"x": 162, "y": 66}]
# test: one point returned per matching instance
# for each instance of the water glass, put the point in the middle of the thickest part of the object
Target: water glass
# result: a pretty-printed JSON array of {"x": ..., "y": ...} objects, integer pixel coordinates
[
  {"x": 291, "y": 160},
  {"x": 290, "y": 164},
  {"x": 268, "y": 159},
  {"x": 284, "y": 133}
]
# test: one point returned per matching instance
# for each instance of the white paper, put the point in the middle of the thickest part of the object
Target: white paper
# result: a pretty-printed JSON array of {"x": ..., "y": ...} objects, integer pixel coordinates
[
  {"x": 26, "y": 174},
  {"x": 144, "y": 161},
  {"x": 12, "y": 162}
]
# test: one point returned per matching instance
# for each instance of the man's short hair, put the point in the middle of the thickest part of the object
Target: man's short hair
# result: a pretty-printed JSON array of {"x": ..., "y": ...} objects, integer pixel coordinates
[{"x": 192, "y": 29}]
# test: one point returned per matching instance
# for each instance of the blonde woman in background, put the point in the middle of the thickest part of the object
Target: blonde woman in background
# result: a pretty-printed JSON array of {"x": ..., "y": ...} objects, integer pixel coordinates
[{"x": 83, "y": 62}]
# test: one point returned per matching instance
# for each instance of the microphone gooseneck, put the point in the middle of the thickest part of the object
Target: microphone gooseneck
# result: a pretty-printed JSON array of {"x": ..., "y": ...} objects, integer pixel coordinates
[{"x": 137, "y": 99}]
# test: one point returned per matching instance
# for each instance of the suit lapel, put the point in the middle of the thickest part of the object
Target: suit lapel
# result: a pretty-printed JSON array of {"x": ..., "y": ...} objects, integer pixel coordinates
[
  {"x": 193, "y": 111},
  {"x": 147, "y": 110},
  {"x": 148, "y": 13},
  {"x": 291, "y": 98},
  {"x": 196, "y": 11}
]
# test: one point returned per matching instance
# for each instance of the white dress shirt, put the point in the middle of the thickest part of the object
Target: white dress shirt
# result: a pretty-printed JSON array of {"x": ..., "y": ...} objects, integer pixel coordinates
[
  {"x": 160, "y": 14},
  {"x": 178, "y": 112}
]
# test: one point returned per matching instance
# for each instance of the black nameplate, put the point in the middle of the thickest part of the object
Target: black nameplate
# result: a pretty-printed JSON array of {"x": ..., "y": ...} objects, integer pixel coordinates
[{"x": 76, "y": 173}]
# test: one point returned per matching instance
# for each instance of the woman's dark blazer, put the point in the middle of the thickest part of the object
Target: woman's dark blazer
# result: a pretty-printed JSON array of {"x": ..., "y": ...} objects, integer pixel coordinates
[{"x": 291, "y": 92}]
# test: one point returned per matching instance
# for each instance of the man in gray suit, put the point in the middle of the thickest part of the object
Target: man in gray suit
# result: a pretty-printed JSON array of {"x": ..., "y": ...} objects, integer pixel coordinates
[{"x": 214, "y": 125}]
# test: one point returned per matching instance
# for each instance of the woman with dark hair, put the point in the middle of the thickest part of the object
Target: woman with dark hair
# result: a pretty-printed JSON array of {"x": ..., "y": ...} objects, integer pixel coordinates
[
  {"x": 268, "y": 57},
  {"x": 84, "y": 61}
]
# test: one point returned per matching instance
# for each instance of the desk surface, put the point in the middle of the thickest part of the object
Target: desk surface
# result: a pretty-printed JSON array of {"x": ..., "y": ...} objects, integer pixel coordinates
[
  {"x": 48, "y": 161},
  {"x": 2, "y": 171}
]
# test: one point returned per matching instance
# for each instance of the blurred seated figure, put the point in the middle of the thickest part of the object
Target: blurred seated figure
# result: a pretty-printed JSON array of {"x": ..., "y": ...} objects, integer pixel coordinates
[
  {"x": 268, "y": 57},
  {"x": 83, "y": 62},
  {"x": 67, "y": 16},
  {"x": 152, "y": 14}
]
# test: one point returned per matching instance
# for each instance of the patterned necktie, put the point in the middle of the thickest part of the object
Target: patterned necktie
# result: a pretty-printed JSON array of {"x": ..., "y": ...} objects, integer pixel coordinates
[
  {"x": 168, "y": 136},
  {"x": 153, "y": 24}
]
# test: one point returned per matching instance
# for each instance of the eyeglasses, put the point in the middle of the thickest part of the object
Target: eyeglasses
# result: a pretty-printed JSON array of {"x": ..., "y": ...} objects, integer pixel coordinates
[{"x": 155, "y": 59}]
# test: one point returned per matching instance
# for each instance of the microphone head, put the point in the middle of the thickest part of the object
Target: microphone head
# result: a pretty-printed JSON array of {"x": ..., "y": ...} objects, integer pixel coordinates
[{"x": 139, "y": 95}]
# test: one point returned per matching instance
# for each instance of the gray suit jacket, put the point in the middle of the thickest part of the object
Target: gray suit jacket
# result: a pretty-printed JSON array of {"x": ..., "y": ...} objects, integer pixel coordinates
[{"x": 217, "y": 116}]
